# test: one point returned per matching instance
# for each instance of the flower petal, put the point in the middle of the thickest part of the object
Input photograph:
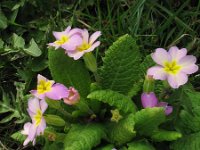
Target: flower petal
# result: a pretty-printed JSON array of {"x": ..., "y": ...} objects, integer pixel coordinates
[
  {"x": 73, "y": 42},
  {"x": 96, "y": 44},
  {"x": 32, "y": 133},
  {"x": 43, "y": 105},
  {"x": 58, "y": 92},
  {"x": 33, "y": 104},
  {"x": 75, "y": 31},
  {"x": 41, "y": 127},
  {"x": 67, "y": 29},
  {"x": 149, "y": 100},
  {"x": 94, "y": 36},
  {"x": 187, "y": 61},
  {"x": 160, "y": 56},
  {"x": 26, "y": 141},
  {"x": 168, "y": 110},
  {"x": 85, "y": 35},
  {"x": 35, "y": 93},
  {"x": 41, "y": 78},
  {"x": 177, "y": 80},
  {"x": 157, "y": 72},
  {"x": 177, "y": 54},
  {"x": 54, "y": 45},
  {"x": 76, "y": 55},
  {"x": 58, "y": 35},
  {"x": 190, "y": 69},
  {"x": 26, "y": 128}
]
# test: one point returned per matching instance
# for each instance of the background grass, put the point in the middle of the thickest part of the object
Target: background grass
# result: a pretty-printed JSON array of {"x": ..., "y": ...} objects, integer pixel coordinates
[{"x": 154, "y": 23}]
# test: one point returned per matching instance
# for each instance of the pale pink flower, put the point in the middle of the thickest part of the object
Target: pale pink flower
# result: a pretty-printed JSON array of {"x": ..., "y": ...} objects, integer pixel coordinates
[
  {"x": 50, "y": 89},
  {"x": 68, "y": 39},
  {"x": 88, "y": 44},
  {"x": 36, "y": 108},
  {"x": 73, "y": 97},
  {"x": 174, "y": 66}
]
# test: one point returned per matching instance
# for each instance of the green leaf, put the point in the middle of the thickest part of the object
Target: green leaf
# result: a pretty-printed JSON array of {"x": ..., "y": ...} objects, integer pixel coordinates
[
  {"x": 123, "y": 131},
  {"x": 18, "y": 136},
  {"x": 189, "y": 142},
  {"x": 140, "y": 145},
  {"x": 33, "y": 49},
  {"x": 3, "y": 20},
  {"x": 17, "y": 41},
  {"x": 54, "y": 120},
  {"x": 189, "y": 117},
  {"x": 164, "y": 135},
  {"x": 147, "y": 120},
  {"x": 115, "y": 99},
  {"x": 120, "y": 65},
  {"x": 84, "y": 137},
  {"x": 69, "y": 72}
]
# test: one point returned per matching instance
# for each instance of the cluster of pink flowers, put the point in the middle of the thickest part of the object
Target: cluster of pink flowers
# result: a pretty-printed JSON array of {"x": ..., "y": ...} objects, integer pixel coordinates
[
  {"x": 37, "y": 105},
  {"x": 174, "y": 66},
  {"x": 76, "y": 42}
]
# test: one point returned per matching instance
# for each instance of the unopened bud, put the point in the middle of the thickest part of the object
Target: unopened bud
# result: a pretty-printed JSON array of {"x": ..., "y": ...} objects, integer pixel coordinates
[
  {"x": 149, "y": 99},
  {"x": 73, "y": 97}
]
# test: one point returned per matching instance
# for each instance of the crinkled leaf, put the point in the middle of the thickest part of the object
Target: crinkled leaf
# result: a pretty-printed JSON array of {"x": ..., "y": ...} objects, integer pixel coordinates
[
  {"x": 189, "y": 142},
  {"x": 84, "y": 137},
  {"x": 115, "y": 99},
  {"x": 33, "y": 49},
  {"x": 123, "y": 131},
  {"x": 54, "y": 120},
  {"x": 69, "y": 72},
  {"x": 140, "y": 145},
  {"x": 147, "y": 120},
  {"x": 17, "y": 41},
  {"x": 164, "y": 135},
  {"x": 120, "y": 65},
  {"x": 189, "y": 116}
]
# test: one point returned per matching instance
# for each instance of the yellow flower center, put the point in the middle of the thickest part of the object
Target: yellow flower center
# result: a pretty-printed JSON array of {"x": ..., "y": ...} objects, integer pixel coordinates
[
  {"x": 83, "y": 46},
  {"x": 62, "y": 40},
  {"x": 44, "y": 86},
  {"x": 172, "y": 67},
  {"x": 115, "y": 115},
  {"x": 38, "y": 117}
]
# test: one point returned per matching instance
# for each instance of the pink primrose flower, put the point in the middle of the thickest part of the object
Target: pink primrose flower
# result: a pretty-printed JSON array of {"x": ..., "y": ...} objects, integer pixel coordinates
[
  {"x": 36, "y": 108},
  {"x": 50, "y": 89},
  {"x": 88, "y": 44},
  {"x": 173, "y": 66},
  {"x": 68, "y": 39}
]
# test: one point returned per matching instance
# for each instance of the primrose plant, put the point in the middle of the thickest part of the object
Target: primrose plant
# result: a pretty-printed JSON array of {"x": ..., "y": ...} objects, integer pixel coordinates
[{"x": 89, "y": 107}]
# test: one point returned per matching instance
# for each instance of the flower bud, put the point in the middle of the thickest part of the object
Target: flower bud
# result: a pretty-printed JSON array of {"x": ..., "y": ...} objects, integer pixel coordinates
[
  {"x": 168, "y": 109},
  {"x": 148, "y": 85},
  {"x": 149, "y": 100},
  {"x": 73, "y": 97}
]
